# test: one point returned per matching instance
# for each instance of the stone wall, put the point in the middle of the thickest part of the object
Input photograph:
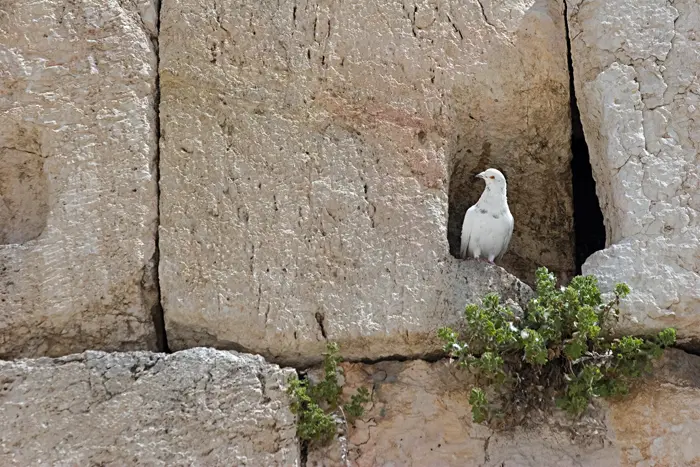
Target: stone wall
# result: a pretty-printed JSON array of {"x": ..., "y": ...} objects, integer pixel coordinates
[
  {"x": 208, "y": 407},
  {"x": 78, "y": 189},
  {"x": 312, "y": 162}
]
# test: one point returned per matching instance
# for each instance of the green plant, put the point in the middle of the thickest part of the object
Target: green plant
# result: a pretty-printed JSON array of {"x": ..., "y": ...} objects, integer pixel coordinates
[
  {"x": 355, "y": 408},
  {"x": 314, "y": 424},
  {"x": 562, "y": 349},
  {"x": 316, "y": 404}
]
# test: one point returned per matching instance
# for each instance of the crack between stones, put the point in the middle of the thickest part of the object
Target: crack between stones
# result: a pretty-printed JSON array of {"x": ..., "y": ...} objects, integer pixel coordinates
[
  {"x": 690, "y": 348},
  {"x": 589, "y": 222},
  {"x": 431, "y": 357},
  {"x": 487, "y": 456},
  {"x": 428, "y": 358},
  {"x": 157, "y": 312}
]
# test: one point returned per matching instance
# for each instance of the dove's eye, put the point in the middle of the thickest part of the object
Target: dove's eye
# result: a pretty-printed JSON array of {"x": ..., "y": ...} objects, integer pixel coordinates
[{"x": 492, "y": 177}]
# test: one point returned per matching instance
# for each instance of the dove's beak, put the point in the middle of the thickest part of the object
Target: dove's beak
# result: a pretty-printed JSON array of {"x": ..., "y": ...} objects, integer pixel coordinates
[{"x": 481, "y": 175}]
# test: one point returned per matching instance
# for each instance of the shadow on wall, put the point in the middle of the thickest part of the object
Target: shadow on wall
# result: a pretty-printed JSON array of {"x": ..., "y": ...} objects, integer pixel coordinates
[
  {"x": 588, "y": 218},
  {"x": 24, "y": 207}
]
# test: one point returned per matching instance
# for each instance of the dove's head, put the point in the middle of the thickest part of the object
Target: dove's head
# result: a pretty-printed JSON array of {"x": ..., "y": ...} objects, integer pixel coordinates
[{"x": 493, "y": 177}]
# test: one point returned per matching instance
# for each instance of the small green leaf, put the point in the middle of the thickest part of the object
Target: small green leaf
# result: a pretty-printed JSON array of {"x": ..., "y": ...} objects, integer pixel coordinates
[
  {"x": 574, "y": 349},
  {"x": 622, "y": 290},
  {"x": 479, "y": 403}
]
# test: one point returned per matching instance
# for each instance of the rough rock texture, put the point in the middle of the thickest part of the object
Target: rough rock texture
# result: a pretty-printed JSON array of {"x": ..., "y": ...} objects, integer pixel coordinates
[
  {"x": 635, "y": 65},
  {"x": 195, "y": 407},
  {"x": 307, "y": 149},
  {"x": 420, "y": 415},
  {"x": 78, "y": 195},
  {"x": 660, "y": 423},
  {"x": 292, "y": 336}
]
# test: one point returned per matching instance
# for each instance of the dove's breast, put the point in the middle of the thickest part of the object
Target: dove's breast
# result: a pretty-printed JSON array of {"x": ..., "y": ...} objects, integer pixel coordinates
[{"x": 488, "y": 234}]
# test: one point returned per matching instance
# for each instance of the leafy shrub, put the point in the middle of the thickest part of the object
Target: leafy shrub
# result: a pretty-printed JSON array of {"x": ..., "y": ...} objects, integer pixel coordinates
[
  {"x": 561, "y": 349},
  {"x": 316, "y": 404}
]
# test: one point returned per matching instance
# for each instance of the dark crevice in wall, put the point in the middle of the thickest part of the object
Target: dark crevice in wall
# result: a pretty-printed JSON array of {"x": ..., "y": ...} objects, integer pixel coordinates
[
  {"x": 430, "y": 357},
  {"x": 689, "y": 345},
  {"x": 303, "y": 444},
  {"x": 589, "y": 227},
  {"x": 320, "y": 319},
  {"x": 157, "y": 310}
]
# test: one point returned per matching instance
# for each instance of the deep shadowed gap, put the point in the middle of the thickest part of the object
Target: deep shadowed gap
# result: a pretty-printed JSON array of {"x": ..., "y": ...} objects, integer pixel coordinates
[
  {"x": 458, "y": 201},
  {"x": 589, "y": 228},
  {"x": 157, "y": 312},
  {"x": 303, "y": 443}
]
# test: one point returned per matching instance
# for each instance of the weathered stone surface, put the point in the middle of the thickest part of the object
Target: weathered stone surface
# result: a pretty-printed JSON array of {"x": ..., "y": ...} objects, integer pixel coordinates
[
  {"x": 660, "y": 423},
  {"x": 78, "y": 195},
  {"x": 307, "y": 149},
  {"x": 635, "y": 67},
  {"x": 363, "y": 330},
  {"x": 420, "y": 415},
  {"x": 195, "y": 407}
]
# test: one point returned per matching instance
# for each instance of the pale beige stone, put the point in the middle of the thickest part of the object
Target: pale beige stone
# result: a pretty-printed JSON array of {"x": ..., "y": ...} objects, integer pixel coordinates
[
  {"x": 195, "y": 407},
  {"x": 78, "y": 194},
  {"x": 307, "y": 154},
  {"x": 635, "y": 68},
  {"x": 659, "y": 425},
  {"x": 420, "y": 415}
]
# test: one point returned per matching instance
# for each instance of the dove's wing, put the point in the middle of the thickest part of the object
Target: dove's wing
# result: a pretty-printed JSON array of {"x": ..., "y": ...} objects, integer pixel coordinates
[
  {"x": 467, "y": 226},
  {"x": 506, "y": 239}
]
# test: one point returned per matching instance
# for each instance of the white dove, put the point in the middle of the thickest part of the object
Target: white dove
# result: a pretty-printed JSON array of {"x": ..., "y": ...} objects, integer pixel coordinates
[{"x": 488, "y": 225}]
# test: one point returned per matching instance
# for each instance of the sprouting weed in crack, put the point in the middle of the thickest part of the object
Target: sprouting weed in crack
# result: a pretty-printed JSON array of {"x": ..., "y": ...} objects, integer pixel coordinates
[
  {"x": 319, "y": 405},
  {"x": 561, "y": 351}
]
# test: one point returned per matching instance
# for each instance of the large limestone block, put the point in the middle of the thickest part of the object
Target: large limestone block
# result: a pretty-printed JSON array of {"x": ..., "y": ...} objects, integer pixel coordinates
[
  {"x": 195, "y": 407},
  {"x": 78, "y": 194},
  {"x": 420, "y": 415},
  {"x": 307, "y": 151},
  {"x": 635, "y": 67}
]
